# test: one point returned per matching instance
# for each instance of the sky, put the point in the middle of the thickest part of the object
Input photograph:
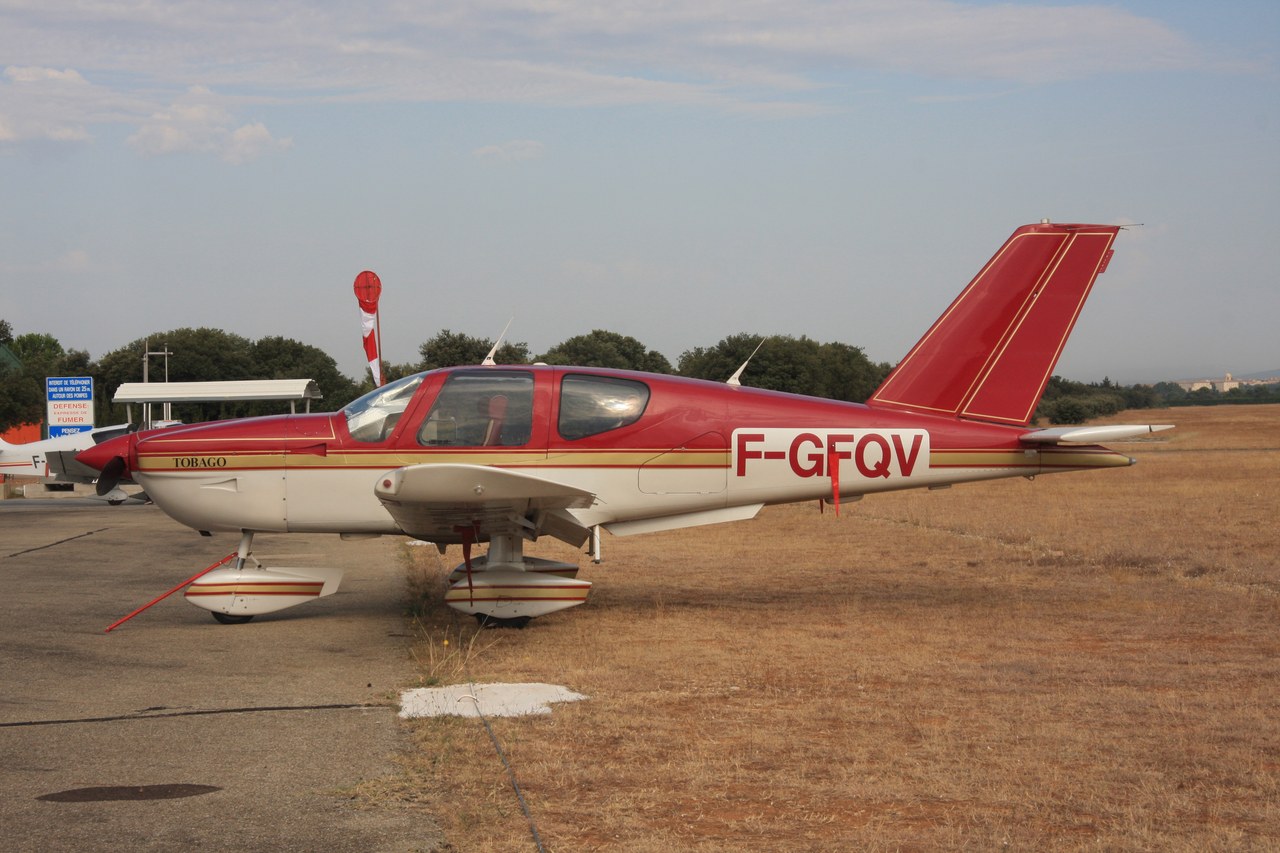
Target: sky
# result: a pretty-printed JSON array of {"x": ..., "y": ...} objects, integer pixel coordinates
[{"x": 677, "y": 172}]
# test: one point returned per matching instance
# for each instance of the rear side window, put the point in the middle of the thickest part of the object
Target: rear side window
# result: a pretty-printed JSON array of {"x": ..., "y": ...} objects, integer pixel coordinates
[{"x": 590, "y": 405}]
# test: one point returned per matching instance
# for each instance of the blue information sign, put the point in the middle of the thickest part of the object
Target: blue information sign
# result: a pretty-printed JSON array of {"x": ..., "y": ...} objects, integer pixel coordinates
[{"x": 70, "y": 404}]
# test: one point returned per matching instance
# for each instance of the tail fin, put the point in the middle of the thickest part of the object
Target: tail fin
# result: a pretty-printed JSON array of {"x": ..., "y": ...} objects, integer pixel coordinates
[{"x": 990, "y": 355}]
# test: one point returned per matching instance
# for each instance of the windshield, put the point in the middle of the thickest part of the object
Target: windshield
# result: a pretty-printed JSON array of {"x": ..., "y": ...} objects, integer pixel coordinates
[{"x": 373, "y": 416}]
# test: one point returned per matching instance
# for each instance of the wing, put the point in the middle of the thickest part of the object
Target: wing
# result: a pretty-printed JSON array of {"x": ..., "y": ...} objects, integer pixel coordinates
[{"x": 437, "y": 502}]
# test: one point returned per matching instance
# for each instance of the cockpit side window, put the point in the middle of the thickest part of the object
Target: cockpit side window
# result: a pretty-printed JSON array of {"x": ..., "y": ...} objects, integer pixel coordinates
[
  {"x": 481, "y": 408},
  {"x": 372, "y": 417},
  {"x": 590, "y": 405}
]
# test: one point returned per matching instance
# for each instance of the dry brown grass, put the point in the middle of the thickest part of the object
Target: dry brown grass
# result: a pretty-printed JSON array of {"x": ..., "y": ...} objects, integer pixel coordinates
[{"x": 1089, "y": 661}]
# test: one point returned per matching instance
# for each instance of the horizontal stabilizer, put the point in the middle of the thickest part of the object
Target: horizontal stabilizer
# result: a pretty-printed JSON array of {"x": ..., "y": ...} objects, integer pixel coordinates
[{"x": 1092, "y": 434}]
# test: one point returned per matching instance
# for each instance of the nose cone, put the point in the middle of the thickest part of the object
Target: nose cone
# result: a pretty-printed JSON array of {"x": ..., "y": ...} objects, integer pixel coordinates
[
  {"x": 113, "y": 459},
  {"x": 100, "y": 455}
]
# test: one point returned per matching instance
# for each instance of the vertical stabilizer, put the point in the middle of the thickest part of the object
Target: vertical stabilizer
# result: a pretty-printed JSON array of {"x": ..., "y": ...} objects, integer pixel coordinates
[{"x": 990, "y": 355}]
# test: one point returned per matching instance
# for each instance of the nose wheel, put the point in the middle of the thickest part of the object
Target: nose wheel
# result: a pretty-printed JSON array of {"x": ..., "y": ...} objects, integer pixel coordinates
[
  {"x": 484, "y": 620},
  {"x": 229, "y": 619}
]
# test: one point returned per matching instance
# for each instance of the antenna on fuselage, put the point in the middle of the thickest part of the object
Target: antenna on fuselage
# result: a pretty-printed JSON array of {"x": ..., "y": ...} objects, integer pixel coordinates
[
  {"x": 735, "y": 379},
  {"x": 488, "y": 359}
]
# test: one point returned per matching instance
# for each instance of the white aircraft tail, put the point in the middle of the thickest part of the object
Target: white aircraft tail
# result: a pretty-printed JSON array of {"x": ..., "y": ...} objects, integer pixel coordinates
[{"x": 17, "y": 460}]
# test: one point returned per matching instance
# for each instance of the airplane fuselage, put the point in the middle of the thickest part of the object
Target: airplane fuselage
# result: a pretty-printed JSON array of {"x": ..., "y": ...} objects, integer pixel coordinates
[{"x": 694, "y": 447}]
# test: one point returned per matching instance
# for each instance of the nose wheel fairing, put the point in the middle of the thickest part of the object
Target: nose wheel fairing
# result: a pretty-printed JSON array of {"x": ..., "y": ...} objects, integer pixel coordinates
[{"x": 253, "y": 591}]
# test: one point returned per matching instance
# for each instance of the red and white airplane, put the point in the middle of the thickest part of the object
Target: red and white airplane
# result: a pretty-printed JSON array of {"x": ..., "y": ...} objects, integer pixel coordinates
[{"x": 507, "y": 454}]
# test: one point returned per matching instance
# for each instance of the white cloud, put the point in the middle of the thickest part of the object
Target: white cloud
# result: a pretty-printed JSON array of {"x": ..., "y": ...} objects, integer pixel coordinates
[
  {"x": 392, "y": 49},
  {"x": 74, "y": 261},
  {"x": 39, "y": 103},
  {"x": 31, "y": 74},
  {"x": 199, "y": 122},
  {"x": 43, "y": 104},
  {"x": 513, "y": 151},
  {"x": 766, "y": 57},
  {"x": 160, "y": 137},
  {"x": 252, "y": 141}
]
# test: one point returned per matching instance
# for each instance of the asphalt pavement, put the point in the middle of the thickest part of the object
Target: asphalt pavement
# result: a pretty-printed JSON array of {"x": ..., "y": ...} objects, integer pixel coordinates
[{"x": 174, "y": 732}]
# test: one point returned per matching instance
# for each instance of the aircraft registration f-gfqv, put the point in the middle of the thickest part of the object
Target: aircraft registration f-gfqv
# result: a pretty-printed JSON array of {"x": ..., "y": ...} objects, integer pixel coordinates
[{"x": 507, "y": 454}]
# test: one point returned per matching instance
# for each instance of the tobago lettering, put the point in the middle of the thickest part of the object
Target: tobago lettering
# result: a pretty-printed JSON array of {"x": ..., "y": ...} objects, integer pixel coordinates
[{"x": 200, "y": 462}]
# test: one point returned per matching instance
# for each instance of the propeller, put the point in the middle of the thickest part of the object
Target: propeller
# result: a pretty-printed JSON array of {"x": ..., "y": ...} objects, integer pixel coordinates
[
  {"x": 111, "y": 460},
  {"x": 111, "y": 475}
]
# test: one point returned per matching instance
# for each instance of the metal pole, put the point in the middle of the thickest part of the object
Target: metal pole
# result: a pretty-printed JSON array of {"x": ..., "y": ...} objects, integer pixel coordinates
[{"x": 146, "y": 377}]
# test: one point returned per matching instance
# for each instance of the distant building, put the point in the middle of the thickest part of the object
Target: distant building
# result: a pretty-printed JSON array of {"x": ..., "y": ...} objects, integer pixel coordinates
[{"x": 1224, "y": 384}]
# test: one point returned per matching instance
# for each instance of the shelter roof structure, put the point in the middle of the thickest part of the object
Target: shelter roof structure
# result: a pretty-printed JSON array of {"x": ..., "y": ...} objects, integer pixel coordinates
[{"x": 292, "y": 390}]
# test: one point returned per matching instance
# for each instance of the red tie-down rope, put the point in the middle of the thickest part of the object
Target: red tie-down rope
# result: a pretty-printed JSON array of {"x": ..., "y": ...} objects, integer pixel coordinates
[
  {"x": 833, "y": 465},
  {"x": 158, "y": 599},
  {"x": 469, "y": 533}
]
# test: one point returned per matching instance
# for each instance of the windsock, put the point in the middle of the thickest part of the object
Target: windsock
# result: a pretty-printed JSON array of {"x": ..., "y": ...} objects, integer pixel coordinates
[{"x": 368, "y": 289}]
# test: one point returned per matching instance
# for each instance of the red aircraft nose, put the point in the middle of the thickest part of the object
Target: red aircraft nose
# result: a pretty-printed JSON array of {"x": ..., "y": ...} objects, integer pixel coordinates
[
  {"x": 99, "y": 455},
  {"x": 113, "y": 458}
]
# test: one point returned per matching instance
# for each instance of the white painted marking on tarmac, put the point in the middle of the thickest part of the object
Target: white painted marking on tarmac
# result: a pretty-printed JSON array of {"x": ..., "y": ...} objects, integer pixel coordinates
[{"x": 492, "y": 700}]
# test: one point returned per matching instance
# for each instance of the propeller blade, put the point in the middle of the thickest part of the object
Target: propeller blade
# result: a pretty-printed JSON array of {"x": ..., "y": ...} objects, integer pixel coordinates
[{"x": 110, "y": 476}]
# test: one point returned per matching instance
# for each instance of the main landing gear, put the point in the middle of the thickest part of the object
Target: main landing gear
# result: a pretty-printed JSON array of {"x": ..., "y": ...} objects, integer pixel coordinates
[{"x": 505, "y": 589}]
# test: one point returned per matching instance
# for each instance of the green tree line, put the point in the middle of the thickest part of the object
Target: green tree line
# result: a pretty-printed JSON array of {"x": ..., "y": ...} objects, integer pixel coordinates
[
  {"x": 800, "y": 365},
  {"x": 1068, "y": 402},
  {"x": 783, "y": 363}
]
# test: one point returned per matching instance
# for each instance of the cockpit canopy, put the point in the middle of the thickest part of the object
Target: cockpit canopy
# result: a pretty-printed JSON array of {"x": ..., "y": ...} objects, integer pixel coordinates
[{"x": 494, "y": 407}]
